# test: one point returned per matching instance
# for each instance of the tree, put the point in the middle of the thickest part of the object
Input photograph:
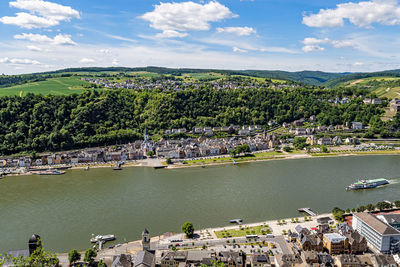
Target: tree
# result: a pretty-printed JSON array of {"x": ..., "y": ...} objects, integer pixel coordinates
[
  {"x": 370, "y": 207},
  {"x": 38, "y": 258},
  {"x": 74, "y": 256},
  {"x": 383, "y": 205},
  {"x": 287, "y": 149},
  {"x": 90, "y": 254},
  {"x": 397, "y": 203},
  {"x": 150, "y": 153},
  {"x": 188, "y": 229},
  {"x": 169, "y": 161},
  {"x": 324, "y": 149},
  {"x": 101, "y": 264}
]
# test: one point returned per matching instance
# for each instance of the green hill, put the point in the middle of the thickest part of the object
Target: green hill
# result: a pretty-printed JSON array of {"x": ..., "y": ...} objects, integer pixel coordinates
[{"x": 54, "y": 86}]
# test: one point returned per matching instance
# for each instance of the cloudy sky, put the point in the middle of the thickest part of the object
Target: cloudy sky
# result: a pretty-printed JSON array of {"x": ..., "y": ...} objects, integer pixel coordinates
[{"x": 329, "y": 35}]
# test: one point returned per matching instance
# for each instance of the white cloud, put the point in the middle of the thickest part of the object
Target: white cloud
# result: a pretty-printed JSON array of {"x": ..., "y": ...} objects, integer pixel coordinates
[
  {"x": 104, "y": 51},
  {"x": 121, "y": 38},
  {"x": 362, "y": 14},
  {"x": 19, "y": 61},
  {"x": 115, "y": 62},
  {"x": 40, "y": 14},
  {"x": 238, "y": 50},
  {"x": 239, "y": 31},
  {"x": 171, "y": 34},
  {"x": 186, "y": 16},
  {"x": 87, "y": 60},
  {"x": 314, "y": 44},
  {"x": 59, "y": 39},
  {"x": 34, "y": 48}
]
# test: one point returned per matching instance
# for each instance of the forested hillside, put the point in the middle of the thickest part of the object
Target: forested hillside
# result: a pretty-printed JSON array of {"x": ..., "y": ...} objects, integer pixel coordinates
[{"x": 41, "y": 123}]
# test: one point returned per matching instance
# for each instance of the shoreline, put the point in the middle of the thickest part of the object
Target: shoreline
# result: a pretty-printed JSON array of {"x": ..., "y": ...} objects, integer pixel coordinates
[{"x": 228, "y": 162}]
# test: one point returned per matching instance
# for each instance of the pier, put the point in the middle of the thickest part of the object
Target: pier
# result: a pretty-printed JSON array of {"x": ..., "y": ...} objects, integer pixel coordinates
[{"x": 308, "y": 211}]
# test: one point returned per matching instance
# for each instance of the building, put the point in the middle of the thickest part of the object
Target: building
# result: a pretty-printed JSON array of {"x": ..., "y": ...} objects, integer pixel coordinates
[
  {"x": 347, "y": 261},
  {"x": 335, "y": 243},
  {"x": 173, "y": 258},
  {"x": 355, "y": 125},
  {"x": 145, "y": 259},
  {"x": 381, "y": 236},
  {"x": 356, "y": 243},
  {"x": 288, "y": 260},
  {"x": 122, "y": 260},
  {"x": 383, "y": 261},
  {"x": 311, "y": 242},
  {"x": 260, "y": 260},
  {"x": 391, "y": 219},
  {"x": 146, "y": 240}
]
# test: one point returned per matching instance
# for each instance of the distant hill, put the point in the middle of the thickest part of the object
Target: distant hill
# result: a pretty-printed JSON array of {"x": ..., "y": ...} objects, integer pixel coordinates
[
  {"x": 340, "y": 81},
  {"x": 306, "y": 77}
]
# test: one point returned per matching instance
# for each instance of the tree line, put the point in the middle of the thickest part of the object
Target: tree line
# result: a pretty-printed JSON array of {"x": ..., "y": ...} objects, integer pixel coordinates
[{"x": 36, "y": 123}]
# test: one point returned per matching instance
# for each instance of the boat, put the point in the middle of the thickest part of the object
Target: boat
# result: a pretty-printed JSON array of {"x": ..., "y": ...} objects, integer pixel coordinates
[
  {"x": 87, "y": 168},
  {"x": 234, "y": 162},
  {"x": 160, "y": 167},
  {"x": 49, "y": 172},
  {"x": 102, "y": 238},
  {"x": 117, "y": 167},
  {"x": 367, "y": 184},
  {"x": 203, "y": 165}
]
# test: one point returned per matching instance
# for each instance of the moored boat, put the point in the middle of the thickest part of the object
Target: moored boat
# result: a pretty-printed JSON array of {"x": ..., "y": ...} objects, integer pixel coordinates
[
  {"x": 49, "y": 172},
  {"x": 102, "y": 238},
  {"x": 367, "y": 184}
]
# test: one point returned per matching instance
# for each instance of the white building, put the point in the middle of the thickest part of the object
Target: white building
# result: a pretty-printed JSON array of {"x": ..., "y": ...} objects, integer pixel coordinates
[{"x": 379, "y": 235}]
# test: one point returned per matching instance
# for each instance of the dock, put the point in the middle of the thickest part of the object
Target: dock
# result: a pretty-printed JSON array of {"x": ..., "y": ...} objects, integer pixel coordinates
[
  {"x": 238, "y": 221},
  {"x": 308, "y": 211}
]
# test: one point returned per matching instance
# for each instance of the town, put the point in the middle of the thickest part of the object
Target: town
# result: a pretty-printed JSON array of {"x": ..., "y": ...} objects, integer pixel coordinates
[{"x": 364, "y": 238}]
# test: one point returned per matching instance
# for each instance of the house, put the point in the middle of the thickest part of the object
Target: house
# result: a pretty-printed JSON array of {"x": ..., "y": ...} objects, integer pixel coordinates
[
  {"x": 394, "y": 105},
  {"x": 383, "y": 261},
  {"x": 300, "y": 131},
  {"x": 313, "y": 118},
  {"x": 145, "y": 259},
  {"x": 335, "y": 243},
  {"x": 288, "y": 260},
  {"x": 326, "y": 141},
  {"x": 198, "y": 130},
  {"x": 122, "y": 260},
  {"x": 311, "y": 258},
  {"x": 167, "y": 132},
  {"x": 347, "y": 261},
  {"x": 337, "y": 141},
  {"x": 311, "y": 140},
  {"x": 356, "y": 125},
  {"x": 232, "y": 258},
  {"x": 324, "y": 259},
  {"x": 260, "y": 260},
  {"x": 173, "y": 258},
  {"x": 311, "y": 242},
  {"x": 356, "y": 243},
  {"x": 244, "y": 132},
  {"x": 376, "y": 101},
  {"x": 367, "y": 101}
]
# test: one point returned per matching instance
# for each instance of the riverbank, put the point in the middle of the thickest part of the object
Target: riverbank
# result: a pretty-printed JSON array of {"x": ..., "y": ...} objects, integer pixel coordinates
[
  {"x": 220, "y": 160},
  {"x": 278, "y": 227}
]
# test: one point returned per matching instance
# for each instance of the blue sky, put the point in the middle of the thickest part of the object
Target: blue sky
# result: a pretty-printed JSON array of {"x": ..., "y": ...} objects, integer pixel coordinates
[{"x": 337, "y": 36}]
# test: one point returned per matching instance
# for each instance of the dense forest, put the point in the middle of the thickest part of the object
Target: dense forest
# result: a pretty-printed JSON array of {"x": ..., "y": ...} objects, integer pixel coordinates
[{"x": 50, "y": 123}]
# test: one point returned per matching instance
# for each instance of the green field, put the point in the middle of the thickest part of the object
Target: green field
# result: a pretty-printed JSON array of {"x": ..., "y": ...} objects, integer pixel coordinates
[
  {"x": 53, "y": 86},
  {"x": 383, "y": 86},
  {"x": 243, "y": 231}
]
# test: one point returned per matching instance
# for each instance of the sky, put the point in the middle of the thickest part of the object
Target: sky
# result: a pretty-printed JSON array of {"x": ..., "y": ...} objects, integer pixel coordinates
[{"x": 291, "y": 35}]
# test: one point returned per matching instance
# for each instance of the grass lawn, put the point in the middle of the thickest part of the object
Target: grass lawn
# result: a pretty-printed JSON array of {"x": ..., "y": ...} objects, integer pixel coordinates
[
  {"x": 257, "y": 156},
  {"x": 243, "y": 231},
  {"x": 54, "y": 86}
]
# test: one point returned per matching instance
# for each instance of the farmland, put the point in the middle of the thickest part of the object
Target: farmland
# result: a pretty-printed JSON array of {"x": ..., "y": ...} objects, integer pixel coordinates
[{"x": 54, "y": 86}]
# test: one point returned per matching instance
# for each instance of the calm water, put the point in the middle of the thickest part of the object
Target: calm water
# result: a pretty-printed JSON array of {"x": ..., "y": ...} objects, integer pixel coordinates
[{"x": 66, "y": 209}]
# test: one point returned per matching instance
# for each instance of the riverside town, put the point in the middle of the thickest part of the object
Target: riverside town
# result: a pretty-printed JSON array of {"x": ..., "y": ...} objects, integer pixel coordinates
[{"x": 199, "y": 133}]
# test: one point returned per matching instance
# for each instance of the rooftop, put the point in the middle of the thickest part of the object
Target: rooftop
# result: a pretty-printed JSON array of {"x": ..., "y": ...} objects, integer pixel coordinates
[{"x": 379, "y": 226}]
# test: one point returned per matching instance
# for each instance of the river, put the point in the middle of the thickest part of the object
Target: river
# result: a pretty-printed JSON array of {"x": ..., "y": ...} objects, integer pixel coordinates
[{"x": 65, "y": 210}]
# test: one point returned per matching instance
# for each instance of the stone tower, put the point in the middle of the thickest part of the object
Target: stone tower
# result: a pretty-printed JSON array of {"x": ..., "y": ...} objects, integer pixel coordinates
[{"x": 146, "y": 240}]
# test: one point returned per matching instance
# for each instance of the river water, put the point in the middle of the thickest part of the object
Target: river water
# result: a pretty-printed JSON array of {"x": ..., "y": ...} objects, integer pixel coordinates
[{"x": 65, "y": 210}]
